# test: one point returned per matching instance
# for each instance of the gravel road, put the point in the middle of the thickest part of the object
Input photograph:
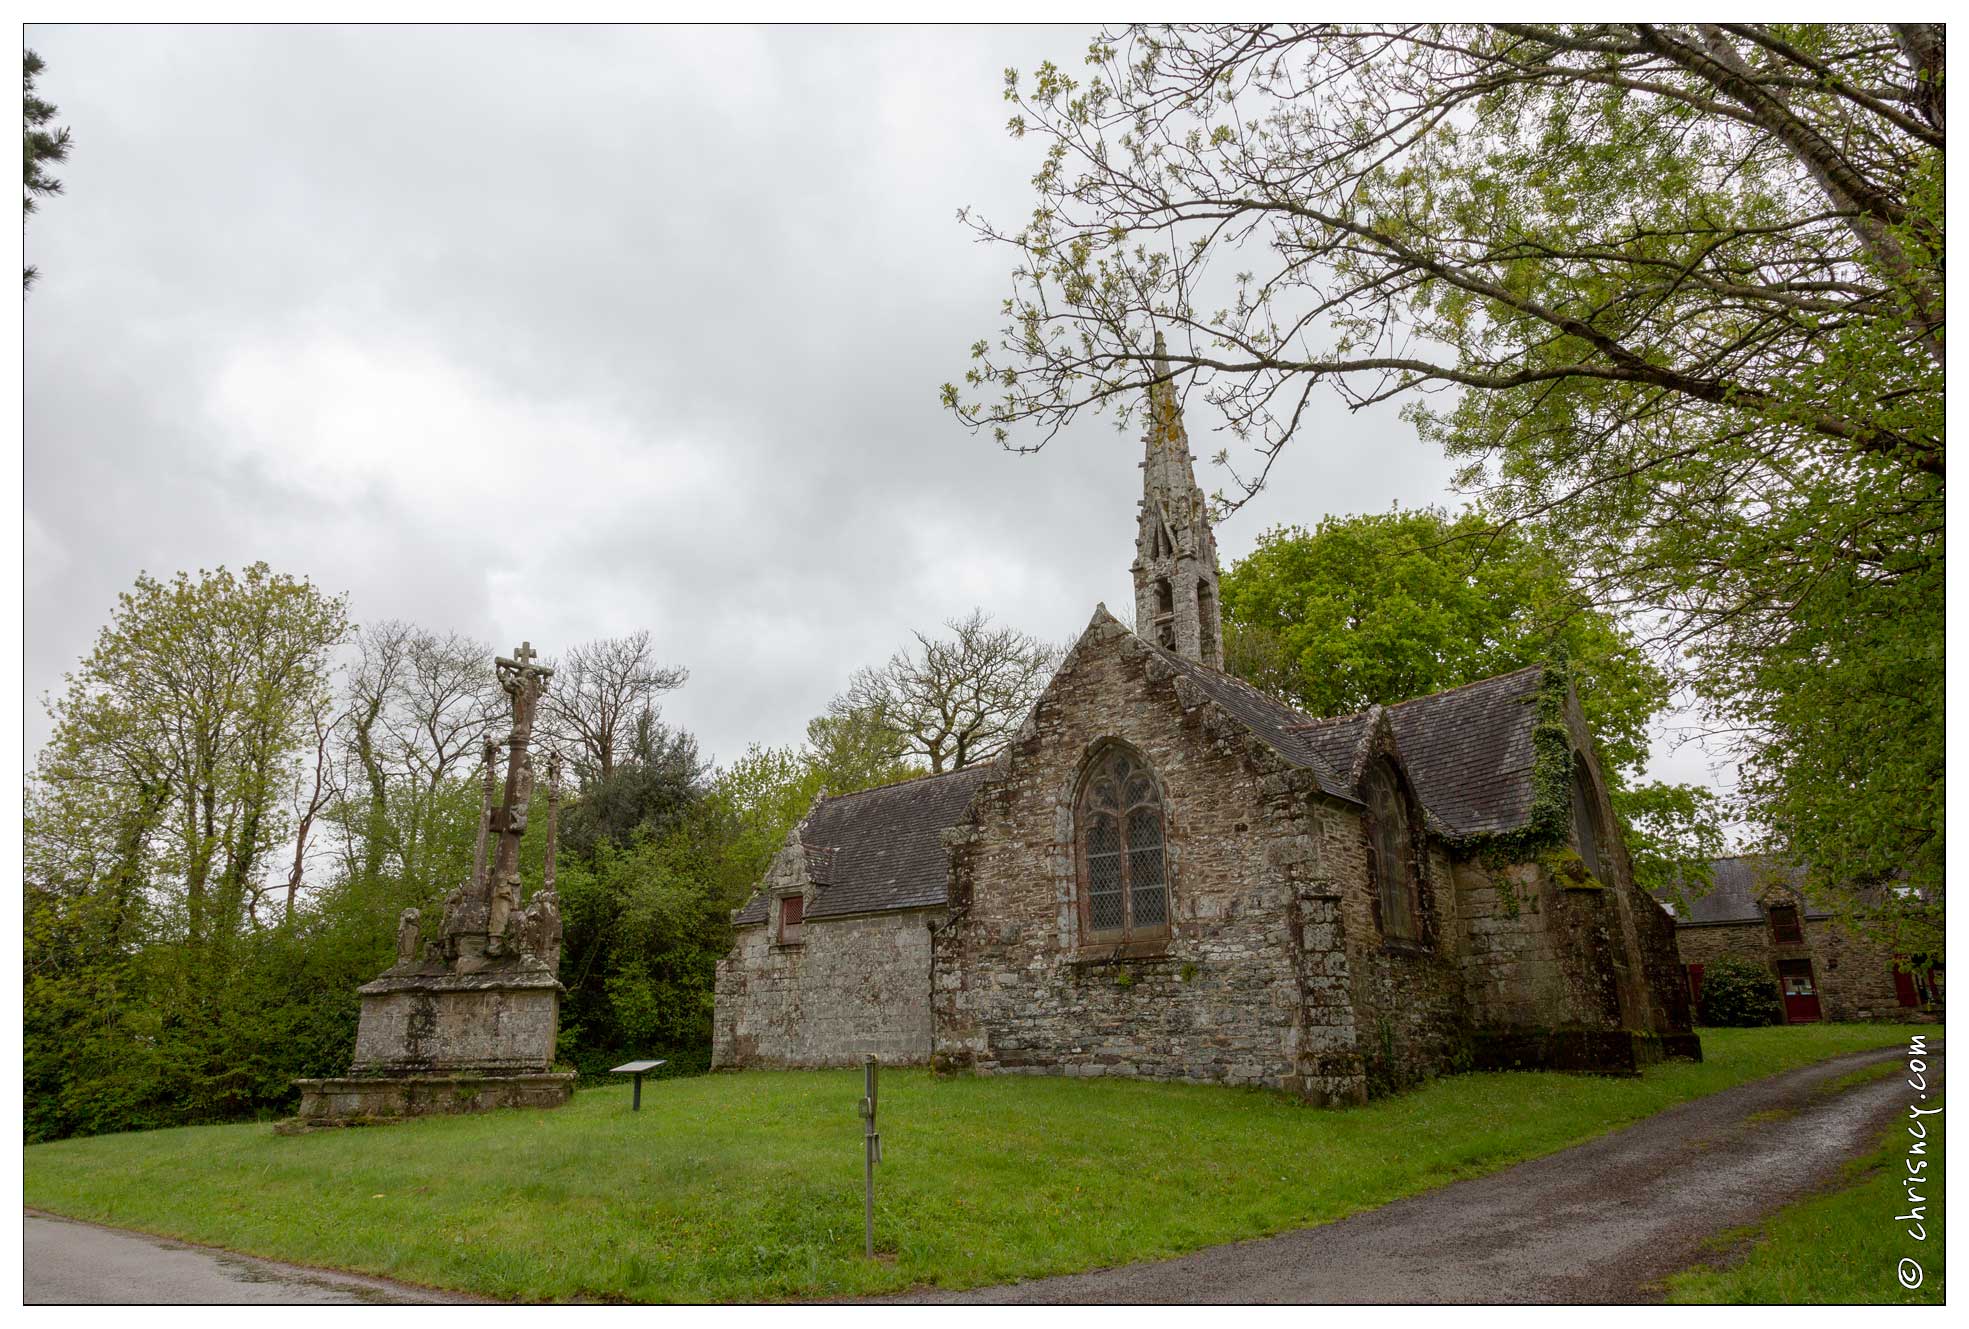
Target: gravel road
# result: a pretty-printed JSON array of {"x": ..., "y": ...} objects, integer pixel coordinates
[
  {"x": 80, "y": 1264},
  {"x": 1600, "y": 1222}
]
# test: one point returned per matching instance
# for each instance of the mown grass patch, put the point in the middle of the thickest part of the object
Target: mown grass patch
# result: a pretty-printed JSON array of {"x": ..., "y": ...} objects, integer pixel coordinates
[
  {"x": 1839, "y": 1248},
  {"x": 748, "y": 1186}
]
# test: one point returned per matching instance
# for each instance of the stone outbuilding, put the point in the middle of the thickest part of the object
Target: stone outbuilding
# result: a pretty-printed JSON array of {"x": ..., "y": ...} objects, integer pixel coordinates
[
  {"x": 1169, "y": 875},
  {"x": 1822, "y": 964}
]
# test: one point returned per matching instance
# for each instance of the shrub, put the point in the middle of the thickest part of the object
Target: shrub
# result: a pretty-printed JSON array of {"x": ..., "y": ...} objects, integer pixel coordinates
[{"x": 1739, "y": 994}]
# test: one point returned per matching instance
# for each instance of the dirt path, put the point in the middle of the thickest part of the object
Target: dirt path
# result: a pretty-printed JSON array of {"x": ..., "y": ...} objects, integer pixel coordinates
[
  {"x": 1601, "y": 1222},
  {"x": 79, "y": 1264}
]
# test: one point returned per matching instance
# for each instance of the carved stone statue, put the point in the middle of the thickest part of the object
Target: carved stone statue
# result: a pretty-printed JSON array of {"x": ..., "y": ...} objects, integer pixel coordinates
[
  {"x": 452, "y": 903},
  {"x": 523, "y": 795},
  {"x": 542, "y": 930},
  {"x": 407, "y": 928}
]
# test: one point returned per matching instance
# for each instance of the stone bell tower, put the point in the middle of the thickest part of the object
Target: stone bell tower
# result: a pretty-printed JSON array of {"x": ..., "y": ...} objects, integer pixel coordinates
[{"x": 1175, "y": 553}]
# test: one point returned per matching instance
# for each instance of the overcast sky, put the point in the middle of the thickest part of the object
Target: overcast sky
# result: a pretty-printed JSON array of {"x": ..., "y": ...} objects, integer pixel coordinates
[{"x": 557, "y": 333}]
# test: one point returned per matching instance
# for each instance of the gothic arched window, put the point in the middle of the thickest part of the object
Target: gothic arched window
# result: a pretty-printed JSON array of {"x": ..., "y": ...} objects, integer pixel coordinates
[
  {"x": 1124, "y": 884},
  {"x": 1585, "y": 817},
  {"x": 1392, "y": 842}
]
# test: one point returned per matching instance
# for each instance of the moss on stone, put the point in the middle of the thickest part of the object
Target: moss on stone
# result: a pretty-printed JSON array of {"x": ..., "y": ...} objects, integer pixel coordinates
[{"x": 1570, "y": 870}]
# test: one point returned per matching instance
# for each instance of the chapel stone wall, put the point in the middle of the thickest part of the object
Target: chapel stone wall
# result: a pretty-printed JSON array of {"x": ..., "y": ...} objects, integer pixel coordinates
[
  {"x": 1515, "y": 976},
  {"x": 850, "y": 987},
  {"x": 1551, "y": 947},
  {"x": 1408, "y": 995},
  {"x": 1250, "y": 988}
]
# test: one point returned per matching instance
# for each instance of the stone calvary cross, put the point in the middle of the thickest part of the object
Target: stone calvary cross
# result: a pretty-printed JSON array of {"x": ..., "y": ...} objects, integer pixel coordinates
[
  {"x": 470, "y": 1023},
  {"x": 482, "y": 918}
]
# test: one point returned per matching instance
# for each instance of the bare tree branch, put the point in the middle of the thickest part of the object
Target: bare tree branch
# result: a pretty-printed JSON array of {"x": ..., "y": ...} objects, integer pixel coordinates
[{"x": 954, "y": 701}]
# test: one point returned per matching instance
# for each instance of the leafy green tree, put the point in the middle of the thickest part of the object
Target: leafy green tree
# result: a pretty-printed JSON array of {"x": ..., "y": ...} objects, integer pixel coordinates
[
  {"x": 156, "y": 981},
  {"x": 657, "y": 857},
  {"x": 38, "y": 145},
  {"x": 1673, "y": 294},
  {"x": 176, "y": 738},
  {"x": 1674, "y": 834},
  {"x": 850, "y": 749},
  {"x": 646, "y": 927},
  {"x": 1383, "y": 607},
  {"x": 648, "y": 786}
]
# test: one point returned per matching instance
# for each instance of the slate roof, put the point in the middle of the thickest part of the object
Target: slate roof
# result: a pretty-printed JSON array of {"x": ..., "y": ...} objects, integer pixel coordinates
[
  {"x": 1468, "y": 751},
  {"x": 1733, "y": 899},
  {"x": 882, "y": 848},
  {"x": 1337, "y": 739},
  {"x": 1273, "y": 721}
]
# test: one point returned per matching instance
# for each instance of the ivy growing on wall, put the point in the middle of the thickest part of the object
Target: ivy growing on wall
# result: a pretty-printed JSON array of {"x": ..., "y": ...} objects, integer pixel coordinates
[{"x": 1548, "y": 825}]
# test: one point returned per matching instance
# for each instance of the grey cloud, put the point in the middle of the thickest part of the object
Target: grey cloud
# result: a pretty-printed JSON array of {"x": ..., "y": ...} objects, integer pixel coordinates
[{"x": 726, "y": 253}]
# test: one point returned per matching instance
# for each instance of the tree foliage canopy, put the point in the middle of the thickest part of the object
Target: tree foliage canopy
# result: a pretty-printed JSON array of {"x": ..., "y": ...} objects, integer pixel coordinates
[
  {"x": 1384, "y": 607},
  {"x": 175, "y": 740},
  {"x": 1672, "y": 294},
  {"x": 225, "y": 827}
]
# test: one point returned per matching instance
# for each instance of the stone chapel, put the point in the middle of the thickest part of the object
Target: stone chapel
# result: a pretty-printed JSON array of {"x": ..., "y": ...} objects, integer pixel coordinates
[{"x": 1170, "y": 875}]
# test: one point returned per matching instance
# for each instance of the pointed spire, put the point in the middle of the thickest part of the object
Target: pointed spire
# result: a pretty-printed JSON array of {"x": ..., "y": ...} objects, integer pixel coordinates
[
  {"x": 1165, "y": 421},
  {"x": 1176, "y": 554}
]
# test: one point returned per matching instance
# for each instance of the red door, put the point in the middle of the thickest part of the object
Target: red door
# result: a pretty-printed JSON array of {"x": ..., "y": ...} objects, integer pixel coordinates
[{"x": 1801, "y": 995}]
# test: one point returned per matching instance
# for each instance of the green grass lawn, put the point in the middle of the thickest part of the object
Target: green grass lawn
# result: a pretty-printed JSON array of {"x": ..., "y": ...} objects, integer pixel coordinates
[
  {"x": 1842, "y": 1247},
  {"x": 748, "y": 1186}
]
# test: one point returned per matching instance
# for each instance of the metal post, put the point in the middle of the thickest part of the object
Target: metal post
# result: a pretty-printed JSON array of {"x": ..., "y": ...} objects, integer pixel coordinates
[
  {"x": 636, "y": 1103},
  {"x": 871, "y": 1151}
]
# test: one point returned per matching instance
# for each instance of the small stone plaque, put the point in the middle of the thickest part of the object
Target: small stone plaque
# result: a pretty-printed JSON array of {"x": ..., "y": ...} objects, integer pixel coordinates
[{"x": 636, "y": 1067}]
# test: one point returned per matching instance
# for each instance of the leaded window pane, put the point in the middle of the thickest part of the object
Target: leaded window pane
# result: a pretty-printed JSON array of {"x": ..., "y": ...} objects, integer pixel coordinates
[
  {"x": 1149, "y": 898},
  {"x": 1121, "y": 822},
  {"x": 1104, "y": 872}
]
